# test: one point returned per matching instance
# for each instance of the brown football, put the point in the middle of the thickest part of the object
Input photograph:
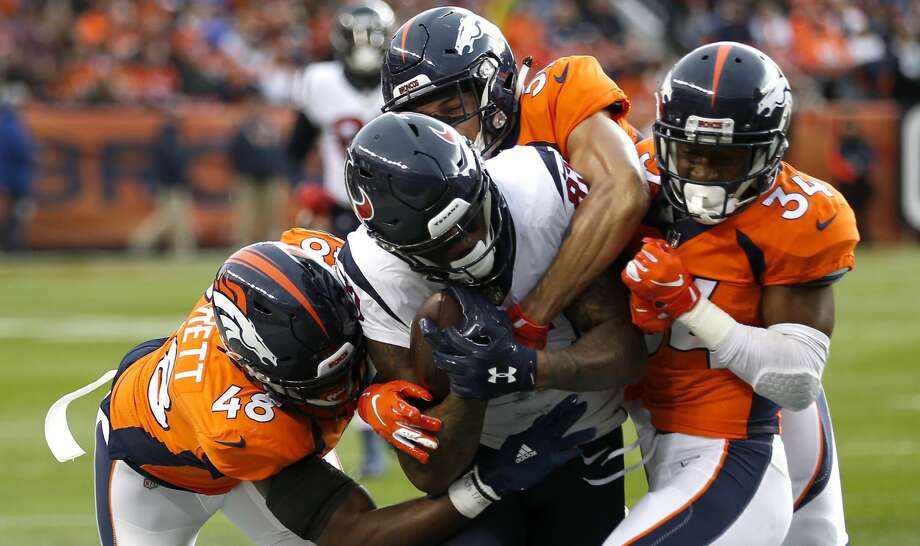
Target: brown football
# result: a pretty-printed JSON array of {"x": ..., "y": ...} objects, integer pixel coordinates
[{"x": 445, "y": 311}]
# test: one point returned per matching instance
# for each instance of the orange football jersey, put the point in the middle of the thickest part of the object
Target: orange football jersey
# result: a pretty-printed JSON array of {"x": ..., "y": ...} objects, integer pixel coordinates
[
  {"x": 565, "y": 93},
  {"x": 188, "y": 416},
  {"x": 800, "y": 231}
]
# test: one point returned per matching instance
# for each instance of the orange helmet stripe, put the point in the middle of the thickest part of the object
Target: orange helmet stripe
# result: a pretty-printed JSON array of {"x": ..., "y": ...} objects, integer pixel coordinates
[
  {"x": 721, "y": 57},
  {"x": 255, "y": 260},
  {"x": 405, "y": 34}
]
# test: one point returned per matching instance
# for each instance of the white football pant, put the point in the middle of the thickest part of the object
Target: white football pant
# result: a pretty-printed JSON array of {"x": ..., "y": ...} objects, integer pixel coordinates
[
  {"x": 711, "y": 491},
  {"x": 811, "y": 452},
  {"x": 132, "y": 510}
]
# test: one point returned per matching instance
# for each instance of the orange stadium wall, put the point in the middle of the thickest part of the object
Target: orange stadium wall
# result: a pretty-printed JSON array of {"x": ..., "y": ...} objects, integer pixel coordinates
[
  {"x": 815, "y": 133},
  {"x": 93, "y": 187},
  {"x": 93, "y": 184}
]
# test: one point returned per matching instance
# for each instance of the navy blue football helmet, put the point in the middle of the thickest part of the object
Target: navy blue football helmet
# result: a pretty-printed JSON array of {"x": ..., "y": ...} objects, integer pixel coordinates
[
  {"x": 287, "y": 322},
  {"x": 445, "y": 52},
  {"x": 722, "y": 98},
  {"x": 419, "y": 189},
  {"x": 359, "y": 39}
]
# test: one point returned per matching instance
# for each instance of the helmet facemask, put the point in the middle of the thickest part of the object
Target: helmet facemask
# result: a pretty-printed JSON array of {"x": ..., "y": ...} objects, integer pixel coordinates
[
  {"x": 346, "y": 377},
  {"x": 478, "y": 266},
  {"x": 478, "y": 81},
  {"x": 360, "y": 40},
  {"x": 747, "y": 163}
]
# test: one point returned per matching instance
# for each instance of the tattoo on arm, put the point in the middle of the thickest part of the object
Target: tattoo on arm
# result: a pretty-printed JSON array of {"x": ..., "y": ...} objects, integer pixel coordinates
[{"x": 610, "y": 354}]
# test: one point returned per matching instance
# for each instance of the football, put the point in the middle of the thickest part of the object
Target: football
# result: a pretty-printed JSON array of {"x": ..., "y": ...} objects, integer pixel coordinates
[{"x": 444, "y": 309}]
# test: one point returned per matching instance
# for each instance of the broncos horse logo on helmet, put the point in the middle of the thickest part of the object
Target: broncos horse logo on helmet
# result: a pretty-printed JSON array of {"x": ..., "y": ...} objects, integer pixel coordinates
[
  {"x": 434, "y": 205},
  {"x": 724, "y": 102},
  {"x": 450, "y": 51},
  {"x": 287, "y": 322}
]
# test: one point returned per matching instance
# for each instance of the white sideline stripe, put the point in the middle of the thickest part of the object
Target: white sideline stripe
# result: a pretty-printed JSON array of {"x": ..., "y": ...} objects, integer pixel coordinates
[
  {"x": 45, "y": 521},
  {"x": 88, "y": 328},
  {"x": 878, "y": 449},
  {"x": 907, "y": 402}
]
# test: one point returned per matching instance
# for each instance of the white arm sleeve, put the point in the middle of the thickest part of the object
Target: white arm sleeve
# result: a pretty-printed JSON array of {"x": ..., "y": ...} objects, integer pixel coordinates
[{"x": 783, "y": 363}]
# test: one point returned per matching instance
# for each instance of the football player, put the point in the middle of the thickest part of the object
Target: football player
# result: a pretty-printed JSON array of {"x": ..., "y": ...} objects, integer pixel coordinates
[
  {"x": 433, "y": 213},
  {"x": 737, "y": 298},
  {"x": 336, "y": 98},
  {"x": 457, "y": 67},
  {"x": 235, "y": 410}
]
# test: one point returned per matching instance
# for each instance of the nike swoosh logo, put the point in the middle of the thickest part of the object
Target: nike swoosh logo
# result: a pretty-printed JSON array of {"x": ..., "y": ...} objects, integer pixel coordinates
[
  {"x": 374, "y": 407},
  {"x": 561, "y": 77},
  {"x": 678, "y": 282},
  {"x": 589, "y": 460},
  {"x": 823, "y": 225},
  {"x": 241, "y": 443}
]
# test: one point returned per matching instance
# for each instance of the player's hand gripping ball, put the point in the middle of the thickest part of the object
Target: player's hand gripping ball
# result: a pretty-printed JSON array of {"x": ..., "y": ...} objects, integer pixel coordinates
[{"x": 386, "y": 410}]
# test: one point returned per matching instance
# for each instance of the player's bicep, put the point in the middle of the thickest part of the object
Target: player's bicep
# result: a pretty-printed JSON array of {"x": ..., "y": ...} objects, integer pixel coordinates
[
  {"x": 598, "y": 146},
  {"x": 606, "y": 298},
  {"x": 809, "y": 305}
]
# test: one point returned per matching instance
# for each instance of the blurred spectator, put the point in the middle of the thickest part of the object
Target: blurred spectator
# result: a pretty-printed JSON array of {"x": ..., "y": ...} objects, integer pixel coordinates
[
  {"x": 17, "y": 170},
  {"x": 139, "y": 51},
  {"x": 259, "y": 192},
  {"x": 173, "y": 214},
  {"x": 731, "y": 23},
  {"x": 693, "y": 25},
  {"x": 852, "y": 161},
  {"x": 906, "y": 51}
]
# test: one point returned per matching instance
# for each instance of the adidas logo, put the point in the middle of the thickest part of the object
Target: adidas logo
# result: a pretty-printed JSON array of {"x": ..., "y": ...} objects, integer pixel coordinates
[{"x": 524, "y": 453}]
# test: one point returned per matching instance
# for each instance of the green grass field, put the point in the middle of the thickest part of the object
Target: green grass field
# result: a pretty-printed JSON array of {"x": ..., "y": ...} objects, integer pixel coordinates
[{"x": 64, "y": 321}]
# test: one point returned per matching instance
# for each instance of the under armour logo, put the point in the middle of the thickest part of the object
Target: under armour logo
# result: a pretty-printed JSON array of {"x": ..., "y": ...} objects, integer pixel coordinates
[
  {"x": 508, "y": 376},
  {"x": 524, "y": 453}
]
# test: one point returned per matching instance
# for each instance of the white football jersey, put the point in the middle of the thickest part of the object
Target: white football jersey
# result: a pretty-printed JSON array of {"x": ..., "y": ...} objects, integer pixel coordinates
[
  {"x": 339, "y": 110},
  {"x": 533, "y": 181}
]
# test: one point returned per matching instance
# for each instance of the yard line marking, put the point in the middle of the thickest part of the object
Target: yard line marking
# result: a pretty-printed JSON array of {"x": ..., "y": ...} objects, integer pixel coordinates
[
  {"x": 44, "y": 521},
  {"x": 87, "y": 328},
  {"x": 878, "y": 449},
  {"x": 906, "y": 402}
]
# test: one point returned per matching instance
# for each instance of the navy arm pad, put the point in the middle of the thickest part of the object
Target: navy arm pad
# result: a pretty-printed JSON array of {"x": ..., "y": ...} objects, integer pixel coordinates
[{"x": 304, "y": 495}]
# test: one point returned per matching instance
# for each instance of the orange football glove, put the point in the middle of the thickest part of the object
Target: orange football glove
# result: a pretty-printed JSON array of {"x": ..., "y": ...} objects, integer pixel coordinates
[
  {"x": 645, "y": 316},
  {"x": 657, "y": 275},
  {"x": 385, "y": 409},
  {"x": 527, "y": 331}
]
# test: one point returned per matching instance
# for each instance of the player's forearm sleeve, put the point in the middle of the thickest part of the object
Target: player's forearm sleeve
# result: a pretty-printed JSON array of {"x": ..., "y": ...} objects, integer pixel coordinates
[{"x": 783, "y": 363}]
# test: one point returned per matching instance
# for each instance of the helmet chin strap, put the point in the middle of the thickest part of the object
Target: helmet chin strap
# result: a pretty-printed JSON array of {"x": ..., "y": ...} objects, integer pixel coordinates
[{"x": 519, "y": 83}]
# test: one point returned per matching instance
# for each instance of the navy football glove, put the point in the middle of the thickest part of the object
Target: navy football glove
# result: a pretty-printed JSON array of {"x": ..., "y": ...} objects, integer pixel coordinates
[
  {"x": 483, "y": 359},
  {"x": 527, "y": 457},
  {"x": 524, "y": 459}
]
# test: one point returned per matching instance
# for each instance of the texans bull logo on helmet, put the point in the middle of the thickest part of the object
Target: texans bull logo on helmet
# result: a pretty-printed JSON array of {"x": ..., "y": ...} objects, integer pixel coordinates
[{"x": 364, "y": 208}]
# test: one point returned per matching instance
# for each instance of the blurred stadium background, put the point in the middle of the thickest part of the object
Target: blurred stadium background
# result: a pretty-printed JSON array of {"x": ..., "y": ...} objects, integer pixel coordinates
[{"x": 92, "y": 90}]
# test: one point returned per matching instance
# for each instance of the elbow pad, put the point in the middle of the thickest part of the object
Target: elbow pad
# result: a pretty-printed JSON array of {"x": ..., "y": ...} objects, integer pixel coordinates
[{"x": 783, "y": 363}]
